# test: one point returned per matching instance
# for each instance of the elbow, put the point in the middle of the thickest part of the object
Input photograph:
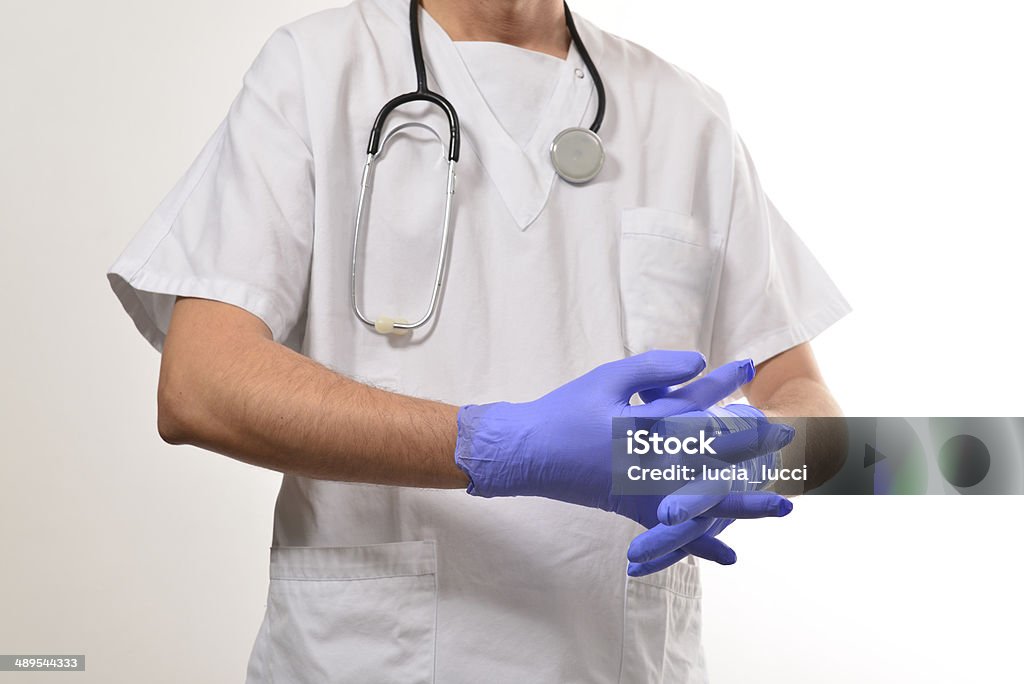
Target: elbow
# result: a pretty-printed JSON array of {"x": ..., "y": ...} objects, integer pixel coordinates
[
  {"x": 172, "y": 415},
  {"x": 169, "y": 423}
]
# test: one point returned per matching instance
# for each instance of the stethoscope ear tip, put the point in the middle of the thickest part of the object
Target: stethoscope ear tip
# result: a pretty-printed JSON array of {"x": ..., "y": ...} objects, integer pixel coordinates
[{"x": 385, "y": 325}]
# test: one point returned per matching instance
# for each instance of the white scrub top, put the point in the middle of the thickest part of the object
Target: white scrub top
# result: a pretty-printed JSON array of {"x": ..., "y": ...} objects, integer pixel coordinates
[{"x": 674, "y": 245}]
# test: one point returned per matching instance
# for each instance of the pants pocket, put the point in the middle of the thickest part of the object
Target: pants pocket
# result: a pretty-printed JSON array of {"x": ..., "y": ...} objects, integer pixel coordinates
[
  {"x": 352, "y": 614},
  {"x": 662, "y": 628},
  {"x": 666, "y": 263}
]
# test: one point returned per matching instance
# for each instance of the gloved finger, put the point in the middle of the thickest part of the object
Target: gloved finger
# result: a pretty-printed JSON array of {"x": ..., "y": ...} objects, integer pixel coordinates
[
  {"x": 705, "y": 546},
  {"x": 736, "y": 447},
  {"x": 719, "y": 526},
  {"x": 654, "y": 393},
  {"x": 691, "y": 500},
  {"x": 689, "y": 423},
  {"x": 656, "y": 368},
  {"x": 714, "y": 387},
  {"x": 662, "y": 539},
  {"x": 747, "y": 505},
  {"x": 650, "y": 567},
  {"x": 709, "y": 547}
]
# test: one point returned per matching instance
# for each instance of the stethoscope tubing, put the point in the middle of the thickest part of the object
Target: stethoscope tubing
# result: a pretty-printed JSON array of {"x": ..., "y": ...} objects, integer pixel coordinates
[{"x": 423, "y": 93}]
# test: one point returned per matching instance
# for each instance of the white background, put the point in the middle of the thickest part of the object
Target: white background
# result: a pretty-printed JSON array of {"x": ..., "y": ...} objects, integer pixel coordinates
[{"x": 888, "y": 133}]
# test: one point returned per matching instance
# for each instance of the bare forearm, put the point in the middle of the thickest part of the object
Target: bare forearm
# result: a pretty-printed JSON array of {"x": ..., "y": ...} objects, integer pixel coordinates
[
  {"x": 802, "y": 397},
  {"x": 241, "y": 394},
  {"x": 820, "y": 442}
]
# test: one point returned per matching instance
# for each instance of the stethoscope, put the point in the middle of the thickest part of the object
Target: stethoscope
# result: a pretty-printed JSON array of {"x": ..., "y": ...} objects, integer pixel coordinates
[{"x": 576, "y": 153}]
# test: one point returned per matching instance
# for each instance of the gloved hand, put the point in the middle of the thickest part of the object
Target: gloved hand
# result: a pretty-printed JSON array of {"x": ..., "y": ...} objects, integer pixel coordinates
[
  {"x": 559, "y": 446},
  {"x": 689, "y": 509}
]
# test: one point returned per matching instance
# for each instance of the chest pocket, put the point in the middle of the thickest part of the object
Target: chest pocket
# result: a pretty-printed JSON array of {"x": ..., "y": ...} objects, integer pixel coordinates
[{"x": 666, "y": 264}]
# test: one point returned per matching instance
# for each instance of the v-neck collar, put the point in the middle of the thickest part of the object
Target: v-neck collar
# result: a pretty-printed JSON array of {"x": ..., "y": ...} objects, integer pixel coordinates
[{"x": 523, "y": 176}]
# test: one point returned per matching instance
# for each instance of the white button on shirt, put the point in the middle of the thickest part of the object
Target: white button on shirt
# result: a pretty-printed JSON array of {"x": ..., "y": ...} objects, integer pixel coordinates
[{"x": 674, "y": 245}]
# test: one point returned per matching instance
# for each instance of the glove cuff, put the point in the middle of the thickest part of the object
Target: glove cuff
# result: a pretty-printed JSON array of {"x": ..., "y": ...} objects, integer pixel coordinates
[
  {"x": 481, "y": 450},
  {"x": 467, "y": 420}
]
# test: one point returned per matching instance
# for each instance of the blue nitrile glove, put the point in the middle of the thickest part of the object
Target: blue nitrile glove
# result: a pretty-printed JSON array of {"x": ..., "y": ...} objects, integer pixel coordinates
[
  {"x": 559, "y": 446},
  {"x": 670, "y": 541}
]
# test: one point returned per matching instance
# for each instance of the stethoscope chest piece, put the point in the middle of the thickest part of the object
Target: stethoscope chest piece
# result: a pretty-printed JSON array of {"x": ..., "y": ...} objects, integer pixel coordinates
[{"x": 577, "y": 155}]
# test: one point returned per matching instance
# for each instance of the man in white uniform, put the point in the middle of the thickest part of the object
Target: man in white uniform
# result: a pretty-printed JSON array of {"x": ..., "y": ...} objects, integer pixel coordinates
[{"x": 383, "y": 568}]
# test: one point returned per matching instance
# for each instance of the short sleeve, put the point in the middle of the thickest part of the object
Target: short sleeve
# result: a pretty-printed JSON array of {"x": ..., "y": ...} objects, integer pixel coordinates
[
  {"x": 238, "y": 226},
  {"x": 772, "y": 293}
]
